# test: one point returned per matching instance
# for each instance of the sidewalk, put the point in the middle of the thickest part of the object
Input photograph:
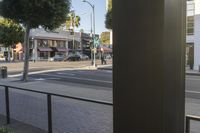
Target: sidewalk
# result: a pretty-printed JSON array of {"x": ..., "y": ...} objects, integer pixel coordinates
[
  {"x": 69, "y": 116},
  {"x": 18, "y": 67},
  {"x": 18, "y": 127},
  {"x": 192, "y": 72}
]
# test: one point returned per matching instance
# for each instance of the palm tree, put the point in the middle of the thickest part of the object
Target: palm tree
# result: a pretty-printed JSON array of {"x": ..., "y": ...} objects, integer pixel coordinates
[{"x": 72, "y": 22}]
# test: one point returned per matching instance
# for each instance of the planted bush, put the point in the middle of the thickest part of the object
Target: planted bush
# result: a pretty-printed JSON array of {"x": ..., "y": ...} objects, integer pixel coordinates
[{"x": 4, "y": 130}]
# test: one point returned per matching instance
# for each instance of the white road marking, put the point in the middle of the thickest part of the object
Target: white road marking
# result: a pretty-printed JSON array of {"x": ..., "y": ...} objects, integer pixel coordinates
[
  {"x": 197, "y": 92},
  {"x": 86, "y": 79},
  {"x": 193, "y": 78},
  {"x": 53, "y": 78},
  {"x": 71, "y": 74},
  {"x": 40, "y": 79},
  {"x": 44, "y": 71},
  {"x": 107, "y": 71}
]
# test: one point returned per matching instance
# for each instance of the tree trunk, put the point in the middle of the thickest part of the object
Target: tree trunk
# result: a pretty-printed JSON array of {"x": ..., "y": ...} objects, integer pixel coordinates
[{"x": 26, "y": 50}]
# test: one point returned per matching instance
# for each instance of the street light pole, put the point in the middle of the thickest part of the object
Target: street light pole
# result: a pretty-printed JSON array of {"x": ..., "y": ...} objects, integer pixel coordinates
[{"x": 94, "y": 63}]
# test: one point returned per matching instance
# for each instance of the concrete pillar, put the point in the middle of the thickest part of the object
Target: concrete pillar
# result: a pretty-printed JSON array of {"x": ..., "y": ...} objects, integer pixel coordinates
[
  {"x": 35, "y": 50},
  {"x": 66, "y": 45},
  {"x": 148, "y": 70}
]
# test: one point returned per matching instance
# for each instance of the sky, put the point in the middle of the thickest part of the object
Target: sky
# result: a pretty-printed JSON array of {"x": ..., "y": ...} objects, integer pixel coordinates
[{"x": 84, "y": 10}]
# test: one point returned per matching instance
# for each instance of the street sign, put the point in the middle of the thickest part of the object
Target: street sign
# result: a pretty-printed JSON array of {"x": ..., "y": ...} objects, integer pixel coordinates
[{"x": 96, "y": 41}]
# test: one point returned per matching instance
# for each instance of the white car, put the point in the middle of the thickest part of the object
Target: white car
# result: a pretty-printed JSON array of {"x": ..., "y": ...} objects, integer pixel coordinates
[
  {"x": 2, "y": 58},
  {"x": 84, "y": 57},
  {"x": 57, "y": 58}
]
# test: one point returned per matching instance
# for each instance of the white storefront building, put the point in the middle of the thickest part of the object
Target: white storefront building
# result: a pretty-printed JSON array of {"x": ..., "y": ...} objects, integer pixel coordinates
[{"x": 193, "y": 34}]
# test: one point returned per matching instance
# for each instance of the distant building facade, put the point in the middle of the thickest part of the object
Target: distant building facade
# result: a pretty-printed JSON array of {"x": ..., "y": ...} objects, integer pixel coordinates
[
  {"x": 45, "y": 45},
  {"x": 193, "y": 34}
]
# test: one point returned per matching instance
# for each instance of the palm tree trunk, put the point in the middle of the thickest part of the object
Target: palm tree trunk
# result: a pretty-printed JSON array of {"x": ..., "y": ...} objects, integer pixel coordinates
[{"x": 26, "y": 50}]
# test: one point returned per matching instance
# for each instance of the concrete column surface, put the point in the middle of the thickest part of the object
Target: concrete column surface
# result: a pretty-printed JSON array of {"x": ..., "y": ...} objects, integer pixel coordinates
[{"x": 148, "y": 77}]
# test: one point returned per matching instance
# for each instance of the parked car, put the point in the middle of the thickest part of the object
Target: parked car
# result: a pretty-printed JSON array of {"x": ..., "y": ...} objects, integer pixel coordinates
[
  {"x": 2, "y": 58},
  {"x": 57, "y": 58},
  {"x": 84, "y": 57},
  {"x": 74, "y": 57},
  {"x": 108, "y": 56}
]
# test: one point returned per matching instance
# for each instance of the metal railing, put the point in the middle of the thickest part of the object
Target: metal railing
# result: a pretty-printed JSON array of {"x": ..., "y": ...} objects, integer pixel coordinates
[
  {"x": 49, "y": 102},
  {"x": 188, "y": 119}
]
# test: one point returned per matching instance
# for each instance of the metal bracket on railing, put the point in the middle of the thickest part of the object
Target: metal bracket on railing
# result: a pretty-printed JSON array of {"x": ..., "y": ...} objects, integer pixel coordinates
[
  {"x": 7, "y": 105},
  {"x": 188, "y": 118}
]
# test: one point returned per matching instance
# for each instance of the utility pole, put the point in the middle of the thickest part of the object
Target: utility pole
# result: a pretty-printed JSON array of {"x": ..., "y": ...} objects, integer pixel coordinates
[{"x": 94, "y": 47}]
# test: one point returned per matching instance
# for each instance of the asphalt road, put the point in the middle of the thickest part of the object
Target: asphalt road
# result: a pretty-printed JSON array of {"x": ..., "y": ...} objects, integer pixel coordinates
[
  {"x": 100, "y": 78},
  {"x": 192, "y": 85}
]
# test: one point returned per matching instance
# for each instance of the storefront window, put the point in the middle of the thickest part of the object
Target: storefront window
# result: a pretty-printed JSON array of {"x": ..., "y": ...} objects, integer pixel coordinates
[
  {"x": 190, "y": 18},
  {"x": 42, "y": 43},
  {"x": 60, "y": 44}
]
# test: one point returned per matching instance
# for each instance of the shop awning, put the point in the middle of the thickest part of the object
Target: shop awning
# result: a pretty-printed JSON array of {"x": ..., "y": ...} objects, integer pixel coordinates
[
  {"x": 61, "y": 49},
  {"x": 45, "y": 49},
  {"x": 105, "y": 49}
]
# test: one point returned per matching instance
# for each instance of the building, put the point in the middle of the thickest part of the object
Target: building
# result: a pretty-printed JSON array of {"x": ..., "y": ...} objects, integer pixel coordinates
[
  {"x": 45, "y": 45},
  {"x": 193, "y": 33},
  {"x": 3, "y": 52}
]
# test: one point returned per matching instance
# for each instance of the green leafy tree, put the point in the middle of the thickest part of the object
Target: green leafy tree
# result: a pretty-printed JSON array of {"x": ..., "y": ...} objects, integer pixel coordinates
[
  {"x": 49, "y": 14},
  {"x": 11, "y": 33},
  {"x": 108, "y": 21}
]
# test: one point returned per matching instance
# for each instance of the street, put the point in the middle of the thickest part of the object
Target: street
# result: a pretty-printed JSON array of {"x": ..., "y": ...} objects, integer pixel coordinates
[
  {"x": 192, "y": 84},
  {"x": 101, "y": 78}
]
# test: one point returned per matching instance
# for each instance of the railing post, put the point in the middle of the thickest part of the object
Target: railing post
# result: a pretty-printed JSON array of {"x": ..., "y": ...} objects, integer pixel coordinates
[
  {"x": 187, "y": 124},
  {"x": 49, "y": 107},
  {"x": 7, "y": 105}
]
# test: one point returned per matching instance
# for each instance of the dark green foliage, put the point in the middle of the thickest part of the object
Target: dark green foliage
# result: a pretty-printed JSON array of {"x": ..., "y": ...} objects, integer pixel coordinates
[
  {"x": 10, "y": 32},
  {"x": 108, "y": 21},
  {"x": 3, "y": 130},
  {"x": 47, "y": 13}
]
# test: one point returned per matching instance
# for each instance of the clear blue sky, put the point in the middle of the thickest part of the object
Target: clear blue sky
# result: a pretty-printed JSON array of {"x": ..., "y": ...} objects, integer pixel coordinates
[{"x": 84, "y": 10}]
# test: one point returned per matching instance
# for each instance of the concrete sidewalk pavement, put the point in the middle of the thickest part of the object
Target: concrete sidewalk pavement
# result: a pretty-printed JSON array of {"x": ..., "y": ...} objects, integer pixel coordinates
[
  {"x": 19, "y": 127},
  {"x": 69, "y": 116},
  {"x": 18, "y": 67},
  {"x": 192, "y": 72}
]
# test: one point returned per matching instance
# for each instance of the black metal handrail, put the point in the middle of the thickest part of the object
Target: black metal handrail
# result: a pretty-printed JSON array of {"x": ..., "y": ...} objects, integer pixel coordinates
[
  {"x": 49, "y": 102},
  {"x": 188, "y": 119}
]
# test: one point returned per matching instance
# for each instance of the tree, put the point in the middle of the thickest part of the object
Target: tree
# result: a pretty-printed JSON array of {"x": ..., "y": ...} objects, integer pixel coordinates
[
  {"x": 108, "y": 21},
  {"x": 11, "y": 33},
  {"x": 49, "y": 14},
  {"x": 82, "y": 30},
  {"x": 72, "y": 21}
]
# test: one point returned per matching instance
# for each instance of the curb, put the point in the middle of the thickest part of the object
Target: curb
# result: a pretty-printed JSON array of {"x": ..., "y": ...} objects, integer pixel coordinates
[
  {"x": 193, "y": 74},
  {"x": 101, "y": 68}
]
